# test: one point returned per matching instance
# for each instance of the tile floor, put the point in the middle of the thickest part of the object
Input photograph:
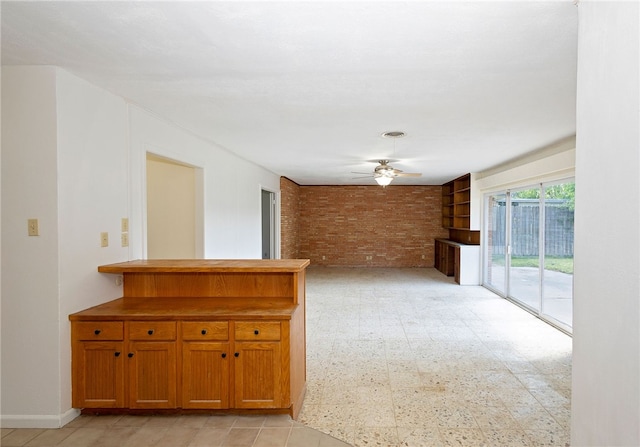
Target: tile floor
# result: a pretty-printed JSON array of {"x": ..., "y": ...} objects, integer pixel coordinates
[
  {"x": 395, "y": 357},
  {"x": 406, "y": 357},
  {"x": 174, "y": 431}
]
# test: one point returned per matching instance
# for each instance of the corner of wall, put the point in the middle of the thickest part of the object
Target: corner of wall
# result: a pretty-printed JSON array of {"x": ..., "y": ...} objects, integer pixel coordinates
[
  {"x": 554, "y": 162},
  {"x": 39, "y": 421}
]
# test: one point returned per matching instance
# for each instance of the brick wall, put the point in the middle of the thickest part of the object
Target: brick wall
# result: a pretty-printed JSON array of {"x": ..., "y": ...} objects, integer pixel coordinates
[
  {"x": 363, "y": 225},
  {"x": 289, "y": 219}
]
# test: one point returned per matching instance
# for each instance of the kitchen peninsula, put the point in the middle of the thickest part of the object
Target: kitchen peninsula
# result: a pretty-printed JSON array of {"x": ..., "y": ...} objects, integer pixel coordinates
[{"x": 224, "y": 335}]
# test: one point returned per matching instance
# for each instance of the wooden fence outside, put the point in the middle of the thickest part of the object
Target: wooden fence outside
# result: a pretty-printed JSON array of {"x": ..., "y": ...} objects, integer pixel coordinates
[{"x": 525, "y": 218}]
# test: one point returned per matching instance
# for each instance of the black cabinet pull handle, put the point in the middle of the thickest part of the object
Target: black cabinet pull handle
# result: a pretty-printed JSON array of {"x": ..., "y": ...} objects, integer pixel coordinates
[
  {"x": 237, "y": 354},
  {"x": 150, "y": 332},
  {"x": 97, "y": 331},
  {"x": 117, "y": 354},
  {"x": 224, "y": 355},
  {"x": 204, "y": 332},
  {"x": 256, "y": 332},
  {"x": 130, "y": 355}
]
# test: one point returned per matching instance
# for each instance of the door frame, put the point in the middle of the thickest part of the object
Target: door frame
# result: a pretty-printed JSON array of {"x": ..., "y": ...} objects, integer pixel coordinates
[
  {"x": 199, "y": 202},
  {"x": 508, "y": 241},
  {"x": 274, "y": 218}
]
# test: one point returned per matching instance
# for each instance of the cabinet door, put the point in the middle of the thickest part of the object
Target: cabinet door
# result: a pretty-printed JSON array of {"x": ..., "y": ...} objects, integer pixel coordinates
[
  {"x": 456, "y": 264},
  {"x": 98, "y": 374},
  {"x": 152, "y": 374},
  {"x": 436, "y": 255},
  {"x": 205, "y": 375},
  {"x": 257, "y": 376}
]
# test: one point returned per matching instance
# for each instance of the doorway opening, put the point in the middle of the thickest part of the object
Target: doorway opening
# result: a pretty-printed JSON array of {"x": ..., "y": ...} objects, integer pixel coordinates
[
  {"x": 174, "y": 228},
  {"x": 268, "y": 213}
]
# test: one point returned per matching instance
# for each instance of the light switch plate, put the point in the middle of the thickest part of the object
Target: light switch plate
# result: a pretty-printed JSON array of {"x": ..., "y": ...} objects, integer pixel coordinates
[
  {"x": 104, "y": 239},
  {"x": 32, "y": 225},
  {"x": 124, "y": 226}
]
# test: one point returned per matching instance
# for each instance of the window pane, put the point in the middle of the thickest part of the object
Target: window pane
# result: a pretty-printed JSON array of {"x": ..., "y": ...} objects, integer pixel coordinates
[
  {"x": 524, "y": 266},
  {"x": 496, "y": 242},
  {"x": 558, "y": 252}
]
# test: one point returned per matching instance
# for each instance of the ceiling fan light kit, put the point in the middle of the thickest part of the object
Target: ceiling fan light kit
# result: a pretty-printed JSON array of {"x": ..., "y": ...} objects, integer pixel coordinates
[
  {"x": 383, "y": 180},
  {"x": 384, "y": 174}
]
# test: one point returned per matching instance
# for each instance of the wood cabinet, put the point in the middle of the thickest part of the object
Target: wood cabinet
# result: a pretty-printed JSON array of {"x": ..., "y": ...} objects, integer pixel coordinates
[
  {"x": 98, "y": 364},
  {"x": 458, "y": 260},
  {"x": 445, "y": 257},
  {"x": 151, "y": 364},
  {"x": 255, "y": 356},
  {"x": 214, "y": 335},
  {"x": 145, "y": 361},
  {"x": 206, "y": 361},
  {"x": 99, "y": 371},
  {"x": 258, "y": 356},
  {"x": 205, "y": 375}
]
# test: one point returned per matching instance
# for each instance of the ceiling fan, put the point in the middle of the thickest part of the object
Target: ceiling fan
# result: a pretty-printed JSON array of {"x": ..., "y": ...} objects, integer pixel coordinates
[{"x": 384, "y": 173}]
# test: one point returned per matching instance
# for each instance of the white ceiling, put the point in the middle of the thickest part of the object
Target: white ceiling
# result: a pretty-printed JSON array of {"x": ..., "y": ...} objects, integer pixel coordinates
[{"x": 306, "y": 89}]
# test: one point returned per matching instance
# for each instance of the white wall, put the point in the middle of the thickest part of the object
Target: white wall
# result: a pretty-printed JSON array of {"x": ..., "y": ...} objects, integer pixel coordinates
[
  {"x": 92, "y": 198},
  {"x": 555, "y": 162},
  {"x": 64, "y": 161},
  {"x": 231, "y": 187},
  {"x": 606, "y": 321},
  {"x": 30, "y": 344},
  {"x": 73, "y": 156}
]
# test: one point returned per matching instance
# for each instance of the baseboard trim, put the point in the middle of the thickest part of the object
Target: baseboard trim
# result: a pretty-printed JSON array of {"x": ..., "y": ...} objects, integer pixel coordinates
[
  {"x": 68, "y": 416},
  {"x": 38, "y": 420}
]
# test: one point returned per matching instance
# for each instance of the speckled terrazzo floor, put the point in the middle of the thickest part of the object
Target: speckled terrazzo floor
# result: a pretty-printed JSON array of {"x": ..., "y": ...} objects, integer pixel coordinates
[{"x": 406, "y": 357}]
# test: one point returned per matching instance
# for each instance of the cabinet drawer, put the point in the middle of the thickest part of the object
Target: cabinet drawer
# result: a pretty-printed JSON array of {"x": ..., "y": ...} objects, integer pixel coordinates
[
  {"x": 205, "y": 330},
  {"x": 98, "y": 330},
  {"x": 152, "y": 330},
  {"x": 257, "y": 330}
]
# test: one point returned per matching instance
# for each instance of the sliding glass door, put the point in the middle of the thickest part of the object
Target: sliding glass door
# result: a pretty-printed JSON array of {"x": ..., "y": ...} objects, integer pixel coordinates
[
  {"x": 528, "y": 255},
  {"x": 496, "y": 231},
  {"x": 524, "y": 247},
  {"x": 557, "y": 284}
]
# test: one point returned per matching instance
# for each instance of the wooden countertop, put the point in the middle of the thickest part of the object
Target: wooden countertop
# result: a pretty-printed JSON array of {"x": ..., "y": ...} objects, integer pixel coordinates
[
  {"x": 186, "y": 309},
  {"x": 457, "y": 244},
  {"x": 207, "y": 265}
]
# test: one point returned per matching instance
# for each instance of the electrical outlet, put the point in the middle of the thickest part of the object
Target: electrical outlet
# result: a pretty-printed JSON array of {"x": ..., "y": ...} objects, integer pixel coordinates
[
  {"x": 104, "y": 239},
  {"x": 124, "y": 239},
  {"x": 124, "y": 225},
  {"x": 32, "y": 226}
]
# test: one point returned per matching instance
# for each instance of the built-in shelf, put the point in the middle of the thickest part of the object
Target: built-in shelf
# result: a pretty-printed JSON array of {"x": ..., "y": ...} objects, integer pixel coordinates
[
  {"x": 458, "y": 256},
  {"x": 456, "y": 210}
]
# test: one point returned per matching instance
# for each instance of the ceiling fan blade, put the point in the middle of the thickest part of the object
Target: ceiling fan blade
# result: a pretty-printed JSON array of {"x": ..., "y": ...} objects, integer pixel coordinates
[
  {"x": 408, "y": 174},
  {"x": 384, "y": 170}
]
